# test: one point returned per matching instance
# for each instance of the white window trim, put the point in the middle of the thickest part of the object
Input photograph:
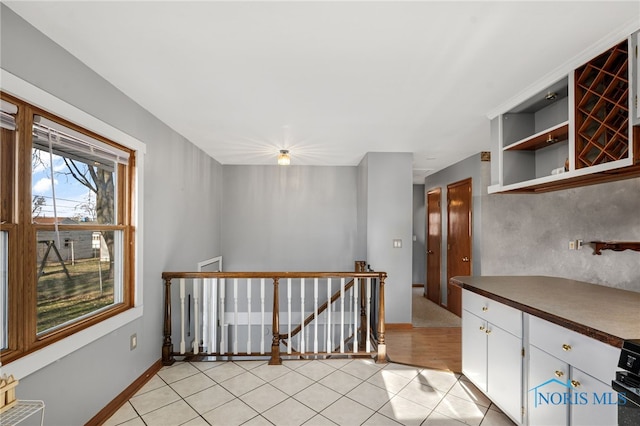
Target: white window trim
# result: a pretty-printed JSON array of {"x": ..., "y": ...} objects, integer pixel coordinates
[{"x": 41, "y": 358}]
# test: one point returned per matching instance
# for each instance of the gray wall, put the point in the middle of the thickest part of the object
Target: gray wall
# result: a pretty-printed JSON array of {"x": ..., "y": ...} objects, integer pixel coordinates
[
  {"x": 528, "y": 234},
  {"x": 419, "y": 223},
  {"x": 389, "y": 216},
  {"x": 363, "y": 188},
  {"x": 479, "y": 172},
  {"x": 182, "y": 194},
  {"x": 291, "y": 218}
]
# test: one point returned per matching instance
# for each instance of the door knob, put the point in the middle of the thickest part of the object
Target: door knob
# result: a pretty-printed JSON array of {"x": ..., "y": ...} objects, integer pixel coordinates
[
  {"x": 429, "y": 251},
  {"x": 465, "y": 259}
]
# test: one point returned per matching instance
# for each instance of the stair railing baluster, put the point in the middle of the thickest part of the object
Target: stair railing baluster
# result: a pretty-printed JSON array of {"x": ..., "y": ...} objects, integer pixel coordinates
[
  {"x": 275, "y": 344},
  {"x": 262, "y": 334},
  {"x": 248, "y": 316},
  {"x": 167, "y": 346}
]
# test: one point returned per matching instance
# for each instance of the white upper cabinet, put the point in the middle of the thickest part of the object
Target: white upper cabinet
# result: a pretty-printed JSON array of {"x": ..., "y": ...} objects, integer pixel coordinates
[{"x": 574, "y": 128}]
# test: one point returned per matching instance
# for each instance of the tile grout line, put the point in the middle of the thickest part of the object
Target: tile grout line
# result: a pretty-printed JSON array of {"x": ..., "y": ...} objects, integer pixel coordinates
[{"x": 459, "y": 378}]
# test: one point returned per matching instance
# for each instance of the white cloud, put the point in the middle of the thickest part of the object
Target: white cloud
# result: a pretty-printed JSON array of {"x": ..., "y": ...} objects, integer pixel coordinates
[
  {"x": 43, "y": 163},
  {"x": 42, "y": 186}
]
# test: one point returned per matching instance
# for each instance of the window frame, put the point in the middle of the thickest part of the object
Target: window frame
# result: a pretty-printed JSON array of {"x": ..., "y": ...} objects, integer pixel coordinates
[{"x": 29, "y": 351}]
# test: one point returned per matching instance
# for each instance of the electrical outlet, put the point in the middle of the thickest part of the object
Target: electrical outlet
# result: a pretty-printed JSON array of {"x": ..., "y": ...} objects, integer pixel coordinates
[
  {"x": 572, "y": 245},
  {"x": 133, "y": 341}
]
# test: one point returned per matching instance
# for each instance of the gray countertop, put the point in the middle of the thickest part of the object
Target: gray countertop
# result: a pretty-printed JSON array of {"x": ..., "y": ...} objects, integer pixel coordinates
[{"x": 607, "y": 314}]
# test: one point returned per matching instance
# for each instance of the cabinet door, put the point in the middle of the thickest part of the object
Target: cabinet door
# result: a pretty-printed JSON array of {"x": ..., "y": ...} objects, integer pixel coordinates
[
  {"x": 549, "y": 386},
  {"x": 596, "y": 403},
  {"x": 474, "y": 349},
  {"x": 504, "y": 371}
]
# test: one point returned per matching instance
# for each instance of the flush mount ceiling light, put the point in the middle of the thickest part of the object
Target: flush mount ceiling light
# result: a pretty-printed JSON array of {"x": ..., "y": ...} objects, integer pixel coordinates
[{"x": 284, "y": 159}]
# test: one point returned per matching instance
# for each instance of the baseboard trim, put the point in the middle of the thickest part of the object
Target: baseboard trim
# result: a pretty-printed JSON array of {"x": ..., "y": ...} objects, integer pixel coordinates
[
  {"x": 399, "y": 326},
  {"x": 110, "y": 409}
]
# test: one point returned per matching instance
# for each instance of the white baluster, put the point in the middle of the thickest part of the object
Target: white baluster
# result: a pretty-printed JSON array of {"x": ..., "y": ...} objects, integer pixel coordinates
[
  {"x": 306, "y": 340},
  {"x": 368, "y": 309},
  {"x": 289, "y": 312},
  {"x": 182, "y": 342},
  {"x": 249, "y": 314},
  {"x": 334, "y": 326},
  {"x": 315, "y": 315},
  {"x": 206, "y": 296},
  {"x": 196, "y": 316},
  {"x": 356, "y": 284},
  {"x": 349, "y": 302},
  {"x": 223, "y": 326},
  {"x": 328, "y": 322},
  {"x": 235, "y": 316},
  {"x": 213, "y": 317},
  {"x": 342, "y": 315},
  {"x": 301, "y": 339},
  {"x": 262, "y": 316}
]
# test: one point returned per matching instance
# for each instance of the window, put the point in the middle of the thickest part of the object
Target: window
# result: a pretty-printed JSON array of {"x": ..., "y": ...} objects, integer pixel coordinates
[{"x": 67, "y": 197}]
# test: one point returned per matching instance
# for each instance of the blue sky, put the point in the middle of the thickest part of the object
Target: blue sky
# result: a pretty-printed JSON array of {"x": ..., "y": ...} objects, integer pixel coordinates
[{"x": 69, "y": 192}]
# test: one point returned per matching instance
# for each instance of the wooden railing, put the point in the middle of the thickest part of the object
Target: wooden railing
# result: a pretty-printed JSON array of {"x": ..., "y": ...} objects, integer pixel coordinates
[{"x": 327, "y": 313}]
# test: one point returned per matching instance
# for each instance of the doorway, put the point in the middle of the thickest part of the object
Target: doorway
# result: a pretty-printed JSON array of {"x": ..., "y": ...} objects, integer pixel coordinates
[
  {"x": 434, "y": 242},
  {"x": 459, "y": 198}
]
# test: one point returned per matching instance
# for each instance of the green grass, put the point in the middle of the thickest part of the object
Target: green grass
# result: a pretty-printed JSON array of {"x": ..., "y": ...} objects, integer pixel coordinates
[{"x": 61, "y": 300}]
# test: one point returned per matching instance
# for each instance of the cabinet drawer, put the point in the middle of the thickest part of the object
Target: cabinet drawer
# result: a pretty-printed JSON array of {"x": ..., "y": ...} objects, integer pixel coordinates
[
  {"x": 596, "y": 358},
  {"x": 499, "y": 314}
]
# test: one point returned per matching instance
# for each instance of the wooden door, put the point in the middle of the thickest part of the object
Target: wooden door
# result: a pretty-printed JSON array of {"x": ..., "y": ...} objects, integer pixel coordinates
[
  {"x": 434, "y": 241},
  {"x": 458, "y": 239}
]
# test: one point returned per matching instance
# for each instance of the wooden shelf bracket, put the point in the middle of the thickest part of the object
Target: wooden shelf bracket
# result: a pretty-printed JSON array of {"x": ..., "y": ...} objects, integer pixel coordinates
[{"x": 598, "y": 246}]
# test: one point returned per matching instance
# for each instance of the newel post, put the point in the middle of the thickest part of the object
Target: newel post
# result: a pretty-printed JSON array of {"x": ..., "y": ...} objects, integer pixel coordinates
[
  {"x": 382, "y": 347},
  {"x": 167, "y": 346},
  {"x": 360, "y": 266},
  {"x": 275, "y": 344}
]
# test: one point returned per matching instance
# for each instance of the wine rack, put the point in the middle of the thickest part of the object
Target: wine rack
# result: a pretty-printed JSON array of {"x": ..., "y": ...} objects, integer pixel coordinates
[{"x": 602, "y": 108}]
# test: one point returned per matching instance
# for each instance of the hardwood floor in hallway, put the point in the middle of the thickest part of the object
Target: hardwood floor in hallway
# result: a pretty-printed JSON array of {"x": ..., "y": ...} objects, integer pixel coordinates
[{"x": 438, "y": 348}]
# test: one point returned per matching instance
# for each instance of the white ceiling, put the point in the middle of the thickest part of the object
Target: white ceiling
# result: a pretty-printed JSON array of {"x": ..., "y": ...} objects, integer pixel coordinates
[{"x": 330, "y": 81}]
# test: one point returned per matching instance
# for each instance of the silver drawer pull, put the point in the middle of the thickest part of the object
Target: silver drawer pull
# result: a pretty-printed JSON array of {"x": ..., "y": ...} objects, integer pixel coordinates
[
  {"x": 566, "y": 347},
  {"x": 559, "y": 373}
]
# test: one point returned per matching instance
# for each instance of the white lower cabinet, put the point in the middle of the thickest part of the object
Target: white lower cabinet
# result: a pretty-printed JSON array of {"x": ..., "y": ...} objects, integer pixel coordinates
[
  {"x": 474, "y": 349},
  {"x": 492, "y": 356},
  {"x": 561, "y": 394},
  {"x": 504, "y": 371},
  {"x": 567, "y": 375},
  {"x": 547, "y": 384},
  {"x": 560, "y": 391}
]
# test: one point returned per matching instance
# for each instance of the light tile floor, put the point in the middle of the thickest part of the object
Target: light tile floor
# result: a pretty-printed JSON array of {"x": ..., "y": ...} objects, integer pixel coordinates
[{"x": 320, "y": 392}]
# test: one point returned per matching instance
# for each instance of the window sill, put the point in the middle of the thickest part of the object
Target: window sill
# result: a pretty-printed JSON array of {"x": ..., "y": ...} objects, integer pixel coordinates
[{"x": 35, "y": 361}]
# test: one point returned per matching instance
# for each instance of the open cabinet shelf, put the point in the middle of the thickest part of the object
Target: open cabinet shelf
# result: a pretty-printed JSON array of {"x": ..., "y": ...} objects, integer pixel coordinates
[{"x": 543, "y": 139}]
